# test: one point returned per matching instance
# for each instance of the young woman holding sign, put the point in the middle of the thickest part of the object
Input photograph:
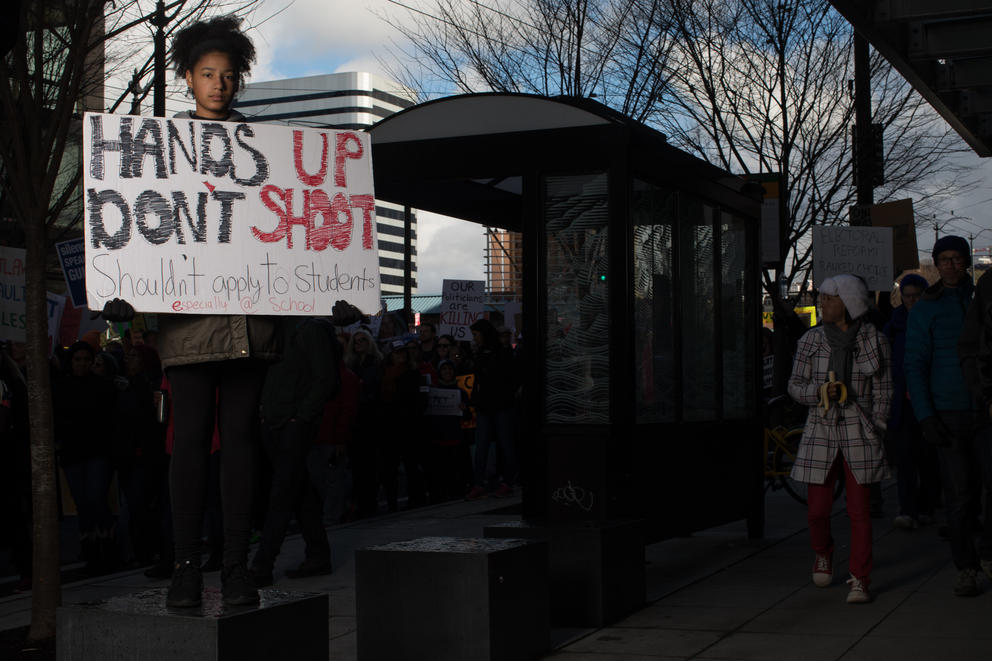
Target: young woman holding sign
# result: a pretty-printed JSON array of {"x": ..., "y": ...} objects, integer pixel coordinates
[{"x": 215, "y": 364}]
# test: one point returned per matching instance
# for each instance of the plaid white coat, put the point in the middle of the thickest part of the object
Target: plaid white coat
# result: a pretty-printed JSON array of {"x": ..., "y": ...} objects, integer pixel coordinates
[{"x": 855, "y": 427}]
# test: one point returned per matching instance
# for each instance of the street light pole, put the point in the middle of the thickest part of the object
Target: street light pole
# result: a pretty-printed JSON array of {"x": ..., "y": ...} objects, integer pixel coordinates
[{"x": 159, "y": 89}]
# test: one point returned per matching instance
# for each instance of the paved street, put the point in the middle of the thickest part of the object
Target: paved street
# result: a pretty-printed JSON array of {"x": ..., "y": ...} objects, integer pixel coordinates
[{"x": 715, "y": 595}]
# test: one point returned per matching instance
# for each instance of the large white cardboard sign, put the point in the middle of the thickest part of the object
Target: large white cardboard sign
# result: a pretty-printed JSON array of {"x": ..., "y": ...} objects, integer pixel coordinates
[
  {"x": 211, "y": 217},
  {"x": 862, "y": 251}
]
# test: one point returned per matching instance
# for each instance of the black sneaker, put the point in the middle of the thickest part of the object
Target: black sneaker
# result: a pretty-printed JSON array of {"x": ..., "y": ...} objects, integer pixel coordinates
[
  {"x": 187, "y": 585},
  {"x": 310, "y": 568},
  {"x": 261, "y": 577},
  {"x": 237, "y": 586}
]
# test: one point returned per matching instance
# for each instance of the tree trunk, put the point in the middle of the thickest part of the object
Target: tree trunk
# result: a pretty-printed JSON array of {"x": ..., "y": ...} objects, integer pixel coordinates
[{"x": 46, "y": 579}]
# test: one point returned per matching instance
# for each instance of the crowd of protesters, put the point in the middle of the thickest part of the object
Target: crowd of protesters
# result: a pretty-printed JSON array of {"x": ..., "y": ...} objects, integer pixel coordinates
[
  {"x": 910, "y": 390},
  {"x": 345, "y": 430}
]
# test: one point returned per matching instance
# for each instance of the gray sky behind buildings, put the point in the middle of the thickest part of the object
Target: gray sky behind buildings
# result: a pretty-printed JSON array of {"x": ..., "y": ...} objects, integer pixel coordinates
[{"x": 309, "y": 37}]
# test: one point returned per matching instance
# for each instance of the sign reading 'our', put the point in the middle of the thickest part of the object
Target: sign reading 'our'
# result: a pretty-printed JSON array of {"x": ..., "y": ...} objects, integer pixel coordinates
[{"x": 193, "y": 216}]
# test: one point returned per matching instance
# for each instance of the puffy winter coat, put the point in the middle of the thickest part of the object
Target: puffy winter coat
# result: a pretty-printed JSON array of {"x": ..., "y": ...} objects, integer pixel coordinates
[{"x": 933, "y": 373}]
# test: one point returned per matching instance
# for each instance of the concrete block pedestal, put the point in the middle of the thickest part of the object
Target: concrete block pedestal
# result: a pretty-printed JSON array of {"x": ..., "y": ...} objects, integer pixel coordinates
[
  {"x": 444, "y": 598},
  {"x": 596, "y": 572},
  {"x": 139, "y": 627}
]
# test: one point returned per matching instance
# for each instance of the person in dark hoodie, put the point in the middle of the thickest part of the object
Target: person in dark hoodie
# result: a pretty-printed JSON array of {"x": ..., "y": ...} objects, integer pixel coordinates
[
  {"x": 918, "y": 478},
  {"x": 941, "y": 400},
  {"x": 296, "y": 391},
  {"x": 83, "y": 404},
  {"x": 975, "y": 349},
  {"x": 494, "y": 398}
]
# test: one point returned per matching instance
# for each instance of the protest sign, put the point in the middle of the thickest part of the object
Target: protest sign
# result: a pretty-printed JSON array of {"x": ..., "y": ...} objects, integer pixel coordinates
[
  {"x": 202, "y": 217},
  {"x": 461, "y": 306},
  {"x": 56, "y": 306},
  {"x": 899, "y": 216},
  {"x": 466, "y": 382},
  {"x": 444, "y": 401},
  {"x": 13, "y": 319},
  {"x": 861, "y": 251},
  {"x": 73, "y": 259}
]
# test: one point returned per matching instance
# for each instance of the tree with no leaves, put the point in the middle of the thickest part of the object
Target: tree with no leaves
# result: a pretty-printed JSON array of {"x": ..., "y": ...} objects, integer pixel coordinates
[
  {"x": 754, "y": 86},
  {"x": 54, "y": 62}
]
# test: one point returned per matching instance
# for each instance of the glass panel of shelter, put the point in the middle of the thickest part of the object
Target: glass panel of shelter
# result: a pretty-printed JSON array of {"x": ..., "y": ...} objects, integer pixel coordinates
[
  {"x": 575, "y": 210},
  {"x": 653, "y": 213},
  {"x": 697, "y": 299},
  {"x": 737, "y": 323}
]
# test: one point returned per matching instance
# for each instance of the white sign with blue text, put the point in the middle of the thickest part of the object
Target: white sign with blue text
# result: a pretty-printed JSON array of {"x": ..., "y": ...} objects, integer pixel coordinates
[{"x": 209, "y": 217}]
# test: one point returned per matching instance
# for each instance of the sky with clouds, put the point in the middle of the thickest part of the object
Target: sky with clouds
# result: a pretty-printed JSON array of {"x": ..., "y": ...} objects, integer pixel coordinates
[{"x": 311, "y": 37}]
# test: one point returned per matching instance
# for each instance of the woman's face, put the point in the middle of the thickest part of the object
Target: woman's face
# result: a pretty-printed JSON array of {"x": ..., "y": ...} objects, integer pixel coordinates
[
  {"x": 833, "y": 309},
  {"x": 132, "y": 362},
  {"x": 447, "y": 372},
  {"x": 100, "y": 366},
  {"x": 82, "y": 362},
  {"x": 910, "y": 296},
  {"x": 214, "y": 82},
  {"x": 360, "y": 343},
  {"x": 443, "y": 347}
]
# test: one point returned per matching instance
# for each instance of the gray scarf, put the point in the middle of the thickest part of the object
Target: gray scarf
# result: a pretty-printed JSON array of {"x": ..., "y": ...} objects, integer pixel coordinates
[{"x": 841, "y": 354}]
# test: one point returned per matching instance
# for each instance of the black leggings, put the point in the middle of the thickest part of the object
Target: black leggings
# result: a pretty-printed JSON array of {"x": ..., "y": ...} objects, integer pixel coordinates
[{"x": 227, "y": 392}]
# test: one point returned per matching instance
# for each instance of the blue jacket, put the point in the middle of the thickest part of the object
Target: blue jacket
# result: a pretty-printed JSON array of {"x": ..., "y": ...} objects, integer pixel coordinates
[
  {"x": 895, "y": 330},
  {"x": 933, "y": 373}
]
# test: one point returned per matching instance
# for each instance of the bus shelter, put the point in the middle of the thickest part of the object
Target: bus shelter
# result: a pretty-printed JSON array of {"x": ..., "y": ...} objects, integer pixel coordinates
[{"x": 641, "y": 310}]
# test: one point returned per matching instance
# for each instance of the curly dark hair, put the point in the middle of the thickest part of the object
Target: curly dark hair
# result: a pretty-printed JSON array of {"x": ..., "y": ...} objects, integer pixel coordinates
[{"x": 219, "y": 34}]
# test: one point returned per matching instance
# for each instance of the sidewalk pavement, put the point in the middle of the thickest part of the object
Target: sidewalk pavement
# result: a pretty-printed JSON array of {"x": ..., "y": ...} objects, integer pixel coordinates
[{"x": 714, "y": 595}]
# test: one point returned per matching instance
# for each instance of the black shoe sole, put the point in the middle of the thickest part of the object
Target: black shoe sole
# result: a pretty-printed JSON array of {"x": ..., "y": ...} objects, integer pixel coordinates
[
  {"x": 307, "y": 574},
  {"x": 243, "y": 600}
]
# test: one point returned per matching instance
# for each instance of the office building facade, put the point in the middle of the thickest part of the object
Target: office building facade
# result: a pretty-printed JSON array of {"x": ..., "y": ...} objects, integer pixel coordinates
[{"x": 351, "y": 100}]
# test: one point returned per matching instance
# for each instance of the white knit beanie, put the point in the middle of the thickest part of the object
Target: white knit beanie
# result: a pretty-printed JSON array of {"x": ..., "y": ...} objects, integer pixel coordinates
[{"x": 852, "y": 292}]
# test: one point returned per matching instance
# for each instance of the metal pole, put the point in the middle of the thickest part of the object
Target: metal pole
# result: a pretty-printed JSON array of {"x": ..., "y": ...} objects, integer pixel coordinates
[
  {"x": 159, "y": 97},
  {"x": 407, "y": 261},
  {"x": 862, "y": 113}
]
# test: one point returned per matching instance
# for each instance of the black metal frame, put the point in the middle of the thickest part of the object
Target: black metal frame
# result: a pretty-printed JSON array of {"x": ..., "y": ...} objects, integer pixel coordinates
[{"x": 643, "y": 476}]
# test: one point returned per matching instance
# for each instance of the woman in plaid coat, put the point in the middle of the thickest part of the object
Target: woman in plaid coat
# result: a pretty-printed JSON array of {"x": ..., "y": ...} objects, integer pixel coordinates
[{"x": 845, "y": 425}]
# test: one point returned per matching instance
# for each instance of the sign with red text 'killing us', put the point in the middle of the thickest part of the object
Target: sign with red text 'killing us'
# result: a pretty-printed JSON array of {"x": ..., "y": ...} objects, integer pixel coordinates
[{"x": 207, "y": 217}]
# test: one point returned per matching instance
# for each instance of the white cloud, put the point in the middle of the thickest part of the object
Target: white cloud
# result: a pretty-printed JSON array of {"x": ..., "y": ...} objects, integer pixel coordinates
[
  {"x": 448, "y": 248},
  {"x": 307, "y": 37}
]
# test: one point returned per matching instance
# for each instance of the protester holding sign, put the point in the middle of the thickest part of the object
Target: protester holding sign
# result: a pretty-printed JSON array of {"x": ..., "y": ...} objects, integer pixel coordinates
[{"x": 215, "y": 364}]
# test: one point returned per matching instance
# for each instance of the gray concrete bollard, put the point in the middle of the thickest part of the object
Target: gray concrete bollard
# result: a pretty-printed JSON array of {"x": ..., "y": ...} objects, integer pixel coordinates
[{"x": 443, "y": 598}]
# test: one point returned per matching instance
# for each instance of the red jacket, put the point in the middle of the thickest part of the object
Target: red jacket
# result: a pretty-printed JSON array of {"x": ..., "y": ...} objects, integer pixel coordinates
[{"x": 340, "y": 413}]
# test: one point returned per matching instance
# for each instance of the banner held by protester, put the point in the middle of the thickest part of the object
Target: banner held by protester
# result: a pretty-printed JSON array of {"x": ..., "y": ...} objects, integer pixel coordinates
[{"x": 212, "y": 217}]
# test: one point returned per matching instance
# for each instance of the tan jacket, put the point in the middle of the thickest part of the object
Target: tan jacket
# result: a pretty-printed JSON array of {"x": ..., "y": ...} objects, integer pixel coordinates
[
  {"x": 194, "y": 338},
  {"x": 185, "y": 339}
]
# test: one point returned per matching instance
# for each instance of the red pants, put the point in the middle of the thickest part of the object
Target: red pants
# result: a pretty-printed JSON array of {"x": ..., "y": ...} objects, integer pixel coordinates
[{"x": 820, "y": 501}]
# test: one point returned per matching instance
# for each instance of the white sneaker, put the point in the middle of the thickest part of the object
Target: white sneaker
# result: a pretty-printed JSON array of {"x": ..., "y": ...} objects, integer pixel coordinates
[
  {"x": 823, "y": 572},
  {"x": 905, "y": 521},
  {"x": 859, "y": 591}
]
